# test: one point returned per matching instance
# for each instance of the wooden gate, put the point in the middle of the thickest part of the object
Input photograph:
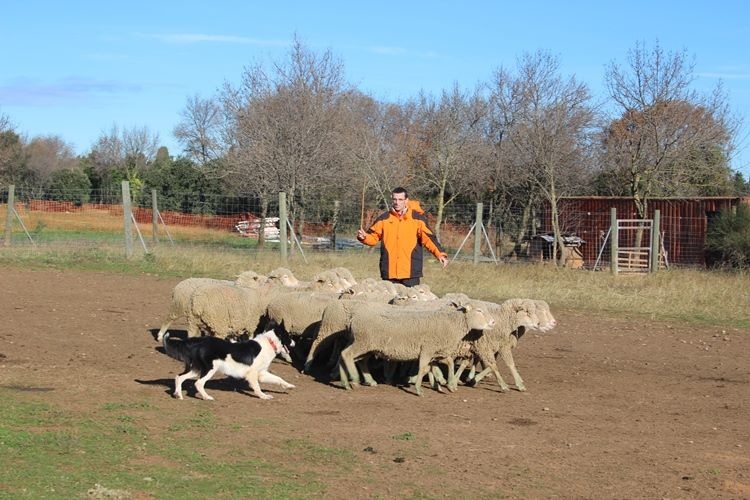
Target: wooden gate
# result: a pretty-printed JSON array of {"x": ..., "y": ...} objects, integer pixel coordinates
[{"x": 634, "y": 238}]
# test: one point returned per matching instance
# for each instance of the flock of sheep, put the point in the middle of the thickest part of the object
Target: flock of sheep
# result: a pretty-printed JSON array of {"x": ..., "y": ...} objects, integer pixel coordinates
[{"x": 405, "y": 331}]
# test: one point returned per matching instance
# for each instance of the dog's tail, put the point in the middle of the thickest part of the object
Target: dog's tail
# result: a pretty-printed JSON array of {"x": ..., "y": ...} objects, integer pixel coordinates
[{"x": 176, "y": 348}]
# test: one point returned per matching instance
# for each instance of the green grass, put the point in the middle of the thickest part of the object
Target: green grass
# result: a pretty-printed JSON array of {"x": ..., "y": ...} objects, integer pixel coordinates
[{"x": 51, "y": 453}]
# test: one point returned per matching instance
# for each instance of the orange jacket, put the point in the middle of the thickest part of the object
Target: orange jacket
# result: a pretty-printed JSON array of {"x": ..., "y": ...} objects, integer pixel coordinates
[{"x": 403, "y": 237}]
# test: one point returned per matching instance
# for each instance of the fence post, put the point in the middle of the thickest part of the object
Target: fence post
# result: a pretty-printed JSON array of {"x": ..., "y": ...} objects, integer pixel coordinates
[
  {"x": 9, "y": 215},
  {"x": 478, "y": 233},
  {"x": 282, "y": 226},
  {"x": 655, "y": 244},
  {"x": 614, "y": 245},
  {"x": 154, "y": 217},
  {"x": 127, "y": 214},
  {"x": 334, "y": 223}
]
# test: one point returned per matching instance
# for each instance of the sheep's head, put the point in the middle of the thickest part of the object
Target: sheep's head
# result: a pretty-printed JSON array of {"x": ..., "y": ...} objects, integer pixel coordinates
[
  {"x": 456, "y": 299},
  {"x": 546, "y": 320},
  {"x": 423, "y": 292},
  {"x": 282, "y": 276},
  {"x": 327, "y": 283},
  {"x": 250, "y": 279},
  {"x": 523, "y": 313},
  {"x": 345, "y": 276},
  {"x": 478, "y": 317}
]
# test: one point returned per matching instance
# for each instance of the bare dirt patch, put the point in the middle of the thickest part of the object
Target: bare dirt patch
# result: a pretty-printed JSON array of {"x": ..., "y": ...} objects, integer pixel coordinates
[{"x": 615, "y": 408}]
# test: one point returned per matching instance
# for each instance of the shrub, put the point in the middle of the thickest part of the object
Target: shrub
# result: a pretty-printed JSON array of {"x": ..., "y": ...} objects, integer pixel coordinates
[
  {"x": 70, "y": 185},
  {"x": 728, "y": 239}
]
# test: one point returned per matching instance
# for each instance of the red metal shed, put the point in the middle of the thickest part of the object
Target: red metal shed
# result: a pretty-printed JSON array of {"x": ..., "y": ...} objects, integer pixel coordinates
[{"x": 684, "y": 223}]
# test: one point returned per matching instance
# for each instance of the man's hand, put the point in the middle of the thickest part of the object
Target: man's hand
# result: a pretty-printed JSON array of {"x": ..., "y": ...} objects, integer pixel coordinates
[
  {"x": 443, "y": 260},
  {"x": 361, "y": 234}
]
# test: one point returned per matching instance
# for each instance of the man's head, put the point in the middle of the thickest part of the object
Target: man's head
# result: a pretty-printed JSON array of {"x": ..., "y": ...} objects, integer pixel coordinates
[{"x": 399, "y": 198}]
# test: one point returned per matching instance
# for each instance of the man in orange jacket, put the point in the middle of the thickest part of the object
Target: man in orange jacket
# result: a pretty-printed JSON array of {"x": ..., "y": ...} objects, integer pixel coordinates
[{"x": 403, "y": 232}]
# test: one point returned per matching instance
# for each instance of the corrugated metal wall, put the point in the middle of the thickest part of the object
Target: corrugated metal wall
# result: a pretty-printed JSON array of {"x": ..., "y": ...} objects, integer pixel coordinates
[{"x": 684, "y": 222}]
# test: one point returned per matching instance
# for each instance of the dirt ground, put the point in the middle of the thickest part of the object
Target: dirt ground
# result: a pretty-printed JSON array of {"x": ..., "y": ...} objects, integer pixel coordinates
[{"x": 614, "y": 408}]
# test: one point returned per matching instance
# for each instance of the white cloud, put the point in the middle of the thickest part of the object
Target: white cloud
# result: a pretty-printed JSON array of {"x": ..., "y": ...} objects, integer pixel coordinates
[
  {"x": 71, "y": 90},
  {"x": 189, "y": 38}
]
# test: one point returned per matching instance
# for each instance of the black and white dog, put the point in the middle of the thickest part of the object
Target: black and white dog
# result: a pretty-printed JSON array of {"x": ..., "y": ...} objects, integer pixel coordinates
[{"x": 205, "y": 356}]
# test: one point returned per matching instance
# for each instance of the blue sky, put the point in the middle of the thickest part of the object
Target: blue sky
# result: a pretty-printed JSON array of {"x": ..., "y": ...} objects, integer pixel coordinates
[{"x": 76, "y": 68}]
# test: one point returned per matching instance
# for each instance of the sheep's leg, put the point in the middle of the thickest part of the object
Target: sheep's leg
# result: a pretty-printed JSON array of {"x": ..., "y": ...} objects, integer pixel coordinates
[
  {"x": 471, "y": 377},
  {"x": 461, "y": 367},
  {"x": 438, "y": 374},
  {"x": 194, "y": 328},
  {"x": 342, "y": 376},
  {"x": 424, "y": 366},
  {"x": 347, "y": 357},
  {"x": 175, "y": 311},
  {"x": 452, "y": 384},
  {"x": 364, "y": 366},
  {"x": 492, "y": 367},
  {"x": 163, "y": 329},
  {"x": 507, "y": 355},
  {"x": 179, "y": 379},
  {"x": 201, "y": 382},
  {"x": 435, "y": 377}
]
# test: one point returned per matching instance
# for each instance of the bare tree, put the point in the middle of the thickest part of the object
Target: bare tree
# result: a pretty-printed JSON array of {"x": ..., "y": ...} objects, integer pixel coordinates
[
  {"x": 199, "y": 131},
  {"x": 372, "y": 135},
  {"x": 287, "y": 126},
  {"x": 547, "y": 121},
  {"x": 5, "y": 123},
  {"x": 46, "y": 154},
  {"x": 130, "y": 151},
  {"x": 449, "y": 132},
  {"x": 664, "y": 127}
]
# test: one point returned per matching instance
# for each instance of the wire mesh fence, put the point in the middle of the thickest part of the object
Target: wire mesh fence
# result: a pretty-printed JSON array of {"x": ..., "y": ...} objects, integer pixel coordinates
[{"x": 96, "y": 218}]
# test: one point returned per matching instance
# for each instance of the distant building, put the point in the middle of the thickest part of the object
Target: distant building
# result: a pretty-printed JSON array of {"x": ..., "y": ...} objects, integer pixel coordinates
[{"x": 683, "y": 226}]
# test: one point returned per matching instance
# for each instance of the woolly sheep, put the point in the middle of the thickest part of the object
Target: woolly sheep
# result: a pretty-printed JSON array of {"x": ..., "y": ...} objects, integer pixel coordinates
[
  {"x": 325, "y": 280},
  {"x": 328, "y": 280},
  {"x": 299, "y": 313},
  {"x": 345, "y": 276},
  {"x": 182, "y": 292},
  {"x": 226, "y": 310},
  {"x": 405, "y": 334},
  {"x": 282, "y": 276},
  {"x": 503, "y": 341},
  {"x": 250, "y": 279},
  {"x": 416, "y": 293},
  {"x": 335, "y": 318}
]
